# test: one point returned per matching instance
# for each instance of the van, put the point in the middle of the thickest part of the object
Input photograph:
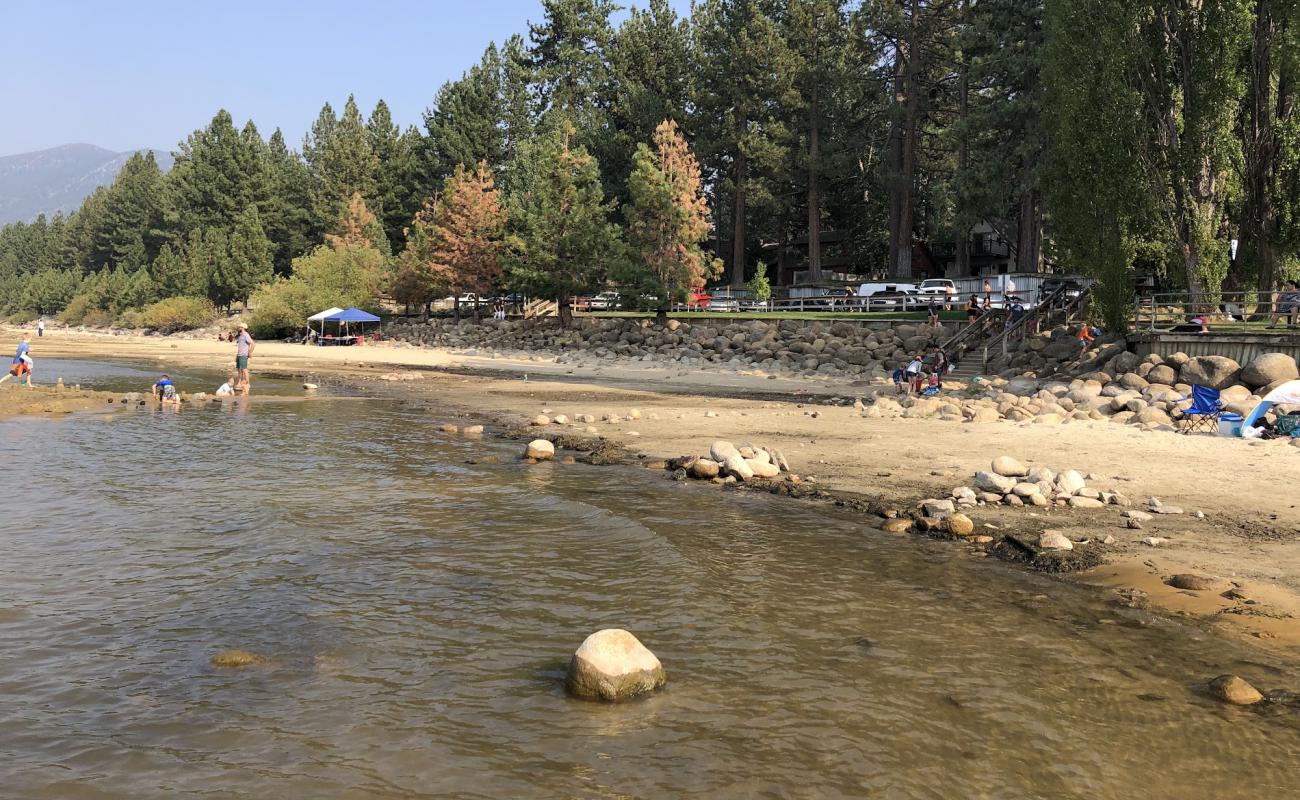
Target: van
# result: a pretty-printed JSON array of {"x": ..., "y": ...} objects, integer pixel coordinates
[{"x": 868, "y": 289}]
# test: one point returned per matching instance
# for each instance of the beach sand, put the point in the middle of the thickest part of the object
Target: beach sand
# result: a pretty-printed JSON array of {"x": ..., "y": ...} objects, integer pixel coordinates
[{"x": 1247, "y": 491}]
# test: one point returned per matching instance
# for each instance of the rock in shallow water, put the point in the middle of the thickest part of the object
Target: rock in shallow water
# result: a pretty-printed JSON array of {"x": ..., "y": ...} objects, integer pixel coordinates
[
  {"x": 540, "y": 450},
  {"x": 613, "y": 665},
  {"x": 1234, "y": 689},
  {"x": 237, "y": 658}
]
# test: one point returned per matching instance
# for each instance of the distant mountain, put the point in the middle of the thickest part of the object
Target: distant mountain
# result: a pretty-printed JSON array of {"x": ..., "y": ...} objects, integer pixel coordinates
[{"x": 58, "y": 179}]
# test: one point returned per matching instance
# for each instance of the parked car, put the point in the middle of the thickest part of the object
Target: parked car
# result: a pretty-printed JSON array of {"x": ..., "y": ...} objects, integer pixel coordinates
[
  {"x": 724, "y": 304},
  {"x": 1051, "y": 285},
  {"x": 900, "y": 300},
  {"x": 605, "y": 301},
  {"x": 698, "y": 299},
  {"x": 755, "y": 305},
  {"x": 938, "y": 286}
]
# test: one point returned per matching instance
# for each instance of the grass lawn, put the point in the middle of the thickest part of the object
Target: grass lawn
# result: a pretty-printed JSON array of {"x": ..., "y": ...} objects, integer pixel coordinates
[{"x": 847, "y": 316}]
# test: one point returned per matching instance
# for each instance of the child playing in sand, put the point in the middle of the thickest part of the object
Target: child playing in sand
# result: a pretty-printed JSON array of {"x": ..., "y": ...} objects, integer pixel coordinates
[
  {"x": 227, "y": 389},
  {"x": 899, "y": 377}
]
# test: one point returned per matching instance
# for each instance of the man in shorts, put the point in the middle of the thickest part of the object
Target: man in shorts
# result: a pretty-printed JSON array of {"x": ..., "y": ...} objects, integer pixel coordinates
[
  {"x": 1288, "y": 304},
  {"x": 244, "y": 345}
]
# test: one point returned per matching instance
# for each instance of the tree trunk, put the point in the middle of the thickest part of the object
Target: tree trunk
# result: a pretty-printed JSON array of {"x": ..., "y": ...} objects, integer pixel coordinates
[
  {"x": 563, "y": 307},
  {"x": 894, "y": 162},
  {"x": 963, "y": 155},
  {"x": 901, "y": 205},
  {"x": 814, "y": 192},
  {"x": 1029, "y": 232},
  {"x": 738, "y": 214}
]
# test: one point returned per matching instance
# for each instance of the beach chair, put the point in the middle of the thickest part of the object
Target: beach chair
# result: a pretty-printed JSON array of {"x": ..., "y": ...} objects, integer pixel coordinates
[{"x": 1204, "y": 412}]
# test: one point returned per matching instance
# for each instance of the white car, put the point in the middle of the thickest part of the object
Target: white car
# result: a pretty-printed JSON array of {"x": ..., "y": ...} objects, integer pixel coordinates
[
  {"x": 605, "y": 301},
  {"x": 938, "y": 286}
]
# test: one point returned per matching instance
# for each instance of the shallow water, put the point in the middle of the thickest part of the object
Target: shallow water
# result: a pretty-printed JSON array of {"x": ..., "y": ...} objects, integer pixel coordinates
[{"x": 419, "y": 611}]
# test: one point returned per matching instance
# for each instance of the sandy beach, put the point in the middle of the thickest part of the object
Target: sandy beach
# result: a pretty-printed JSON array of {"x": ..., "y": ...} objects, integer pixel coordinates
[{"x": 1250, "y": 533}]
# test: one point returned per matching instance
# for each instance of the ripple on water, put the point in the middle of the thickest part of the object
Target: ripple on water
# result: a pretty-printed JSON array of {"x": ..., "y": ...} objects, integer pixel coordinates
[{"x": 417, "y": 613}]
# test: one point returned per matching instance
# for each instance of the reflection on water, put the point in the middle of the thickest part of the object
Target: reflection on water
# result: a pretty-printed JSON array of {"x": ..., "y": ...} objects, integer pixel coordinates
[{"x": 418, "y": 612}]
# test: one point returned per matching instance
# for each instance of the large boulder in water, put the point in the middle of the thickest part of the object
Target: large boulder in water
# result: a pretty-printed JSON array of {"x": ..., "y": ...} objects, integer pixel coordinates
[
  {"x": 613, "y": 665},
  {"x": 540, "y": 449},
  {"x": 1215, "y": 372},
  {"x": 1268, "y": 368},
  {"x": 1234, "y": 689}
]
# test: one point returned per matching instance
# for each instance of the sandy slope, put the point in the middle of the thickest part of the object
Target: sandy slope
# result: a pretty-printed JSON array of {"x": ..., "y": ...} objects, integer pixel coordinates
[{"x": 1251, "y": 533}]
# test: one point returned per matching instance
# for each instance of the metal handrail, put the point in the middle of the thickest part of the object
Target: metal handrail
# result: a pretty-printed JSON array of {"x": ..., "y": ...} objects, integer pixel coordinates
[
  {"x": 1178, "y": 308},
  {"x": 1045, "y": 304}
]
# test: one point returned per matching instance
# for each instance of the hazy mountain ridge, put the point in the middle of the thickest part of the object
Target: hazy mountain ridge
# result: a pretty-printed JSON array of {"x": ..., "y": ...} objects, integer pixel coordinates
[{"x": 58, "y": 179}]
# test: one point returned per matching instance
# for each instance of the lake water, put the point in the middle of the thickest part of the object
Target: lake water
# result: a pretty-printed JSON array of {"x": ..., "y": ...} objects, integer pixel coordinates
[{"x": 419, "y": 610}]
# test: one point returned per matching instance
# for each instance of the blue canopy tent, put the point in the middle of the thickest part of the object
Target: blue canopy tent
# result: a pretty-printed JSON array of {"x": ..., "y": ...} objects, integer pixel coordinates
[{"x": 345, "y": 319}]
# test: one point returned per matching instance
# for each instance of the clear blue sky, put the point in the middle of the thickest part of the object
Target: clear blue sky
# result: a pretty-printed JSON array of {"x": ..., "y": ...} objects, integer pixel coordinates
[{"x": 144, "y": 73}]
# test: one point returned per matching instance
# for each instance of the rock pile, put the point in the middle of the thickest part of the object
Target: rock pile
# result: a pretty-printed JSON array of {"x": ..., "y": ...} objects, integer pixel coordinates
[
  {"x": 1009, "y": 482},
  {"x": 728, "y": 463},
  {"x": 793, "y": 347},
  {"x": 1147, "y": 392}
]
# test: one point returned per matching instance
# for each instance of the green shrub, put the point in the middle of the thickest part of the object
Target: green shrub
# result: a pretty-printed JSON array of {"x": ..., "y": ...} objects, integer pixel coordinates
[
  {"x": 22, "y": 317},
  {"x": 75, "y": 313},
  {"x": 178, "y": 314},
  {"x": 97, "y": 318},
  {"x": 131, "y": 318},
  {"x": 273, "y": 316}
]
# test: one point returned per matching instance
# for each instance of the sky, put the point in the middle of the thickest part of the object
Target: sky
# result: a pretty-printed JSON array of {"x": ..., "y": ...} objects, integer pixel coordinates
[{"x": 143, "y": 73}]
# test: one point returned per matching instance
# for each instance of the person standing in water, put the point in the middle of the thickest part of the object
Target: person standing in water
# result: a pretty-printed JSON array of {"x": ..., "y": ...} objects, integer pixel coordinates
[{"x": 244, "y": 346}]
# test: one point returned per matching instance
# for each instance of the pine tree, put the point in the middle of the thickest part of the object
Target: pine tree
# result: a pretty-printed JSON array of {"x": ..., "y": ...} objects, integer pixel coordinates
[
  {"x": 651, "y": 80},
  {"x": 289, "y": 219},
  {"x": 465, "y": 121},
  {"x": 469, "y": 228},
  {"x": 342, "y": 161},
  {"x": 219, "y": 172},
  {"x": 518, "y": 106},
  {"x": 396, "y": 182},
  {"x": 247, "y": 264},
  {"x": 356, "y": 226},
  {"x": 745, "y": 85},
  {"x": 668, "y": 219},
  {"x": 175, "y": 275},
  {"x": 568, "y": 50},
  {"x": 563, "y": 240}
]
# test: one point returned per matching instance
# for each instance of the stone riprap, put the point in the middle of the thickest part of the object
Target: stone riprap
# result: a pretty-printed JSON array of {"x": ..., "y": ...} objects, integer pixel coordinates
[{"x": 778, "y": 347}]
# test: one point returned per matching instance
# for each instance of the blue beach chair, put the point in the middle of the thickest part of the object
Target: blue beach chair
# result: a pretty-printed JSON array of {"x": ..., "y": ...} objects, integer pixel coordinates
[{"x": 1204, "y": 412}]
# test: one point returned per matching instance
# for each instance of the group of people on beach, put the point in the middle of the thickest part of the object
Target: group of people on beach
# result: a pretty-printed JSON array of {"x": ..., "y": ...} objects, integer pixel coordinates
[
  {"x": 238, "y": 382},
  {"x": 164, "y": 390},
  {"x": 923, "y": 373}
]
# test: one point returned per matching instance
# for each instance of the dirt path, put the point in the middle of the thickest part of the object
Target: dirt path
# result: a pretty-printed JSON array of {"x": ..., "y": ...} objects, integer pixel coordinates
[{"x": 1248, "y": 492}]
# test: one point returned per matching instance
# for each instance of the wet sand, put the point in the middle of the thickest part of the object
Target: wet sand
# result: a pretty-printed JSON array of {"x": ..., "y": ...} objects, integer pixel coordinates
[{"x": 1250, "y": 534}]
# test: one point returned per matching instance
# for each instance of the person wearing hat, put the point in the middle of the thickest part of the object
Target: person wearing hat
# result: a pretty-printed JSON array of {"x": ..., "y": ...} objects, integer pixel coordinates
[{"x": 244, "y": 345}]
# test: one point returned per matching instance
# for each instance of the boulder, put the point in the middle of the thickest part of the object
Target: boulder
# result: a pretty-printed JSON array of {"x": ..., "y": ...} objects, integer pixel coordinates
[
  {"x": 960, "y": 525},
  {"x": 613, "y": 665},
  {"x": 900, "y": 525},
  {"x": 1267, "y": 368},
  {"x": 540, "y": 420},
  {"x": 721, "y": 450},
  {"x": 704, "y": 469},
  {"x": 472, "y": 430},
  {"x": 1162, "y": 373},
  {"x": 1085, "y": 502},
  {"x": 1215, "y": 372},
  {"x": 937, "y": 508},
  {"x": 737, "y": 467},
  {"x": 1026, "y": 489},
  {"x": 1008, "y": 467},
  {"x": 1235, "y": 689},
  {"x": 992, "y": 482},
  {"x": 1054, "y": 540},
  {"x": 540, "y": 450},
  {"x": 1069, "y": 481},
  {"x": 762, "y": 469},
  {"x": 1132, "y": 380}
]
